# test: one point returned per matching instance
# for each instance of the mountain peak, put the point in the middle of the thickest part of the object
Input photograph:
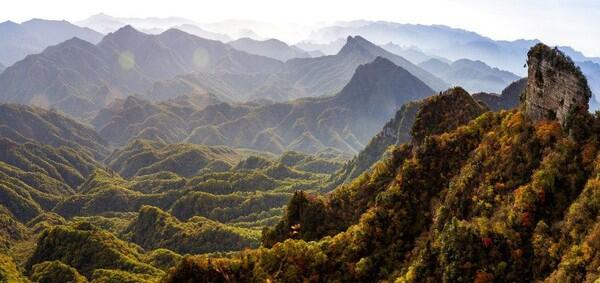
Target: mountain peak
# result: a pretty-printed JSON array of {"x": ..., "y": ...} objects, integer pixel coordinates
[
  {"x": 126, "y": 32},
  {"x": 127, "y": 29},
  {"x": 556, "y": 88},
  {"x": 380, "y": 87},
  {"x": 125, "y": 35},
  {"x": 444, "y": 112},
  {"x": 74, "y": 42},
  {"x": 356, "y": 44},
  {"x": 370, "y": 73},
  {"x": 379, "y": 65}
]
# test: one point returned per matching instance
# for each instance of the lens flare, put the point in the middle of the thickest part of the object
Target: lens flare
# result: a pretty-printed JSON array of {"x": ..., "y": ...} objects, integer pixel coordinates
[
  {"x": 40, "y": 100},
  {"x": 201, "y": 58},
  {"x": 126, "y": 60}
]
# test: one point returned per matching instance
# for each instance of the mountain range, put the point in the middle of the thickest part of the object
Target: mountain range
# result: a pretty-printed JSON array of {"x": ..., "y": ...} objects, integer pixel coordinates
[
  {"x": 345, "y": 121},
  {"x": 307, "y": 77},
  {"x": 78, "y": 77},
  {"x": 453, "y": 44},
  {"x": 31, "y": 37},
  {"x": 474, "y": 76},
  {"x": 442, "y": 41},
  {"x": 162, "y": 156},
  {"x": 508, "y": 196}
]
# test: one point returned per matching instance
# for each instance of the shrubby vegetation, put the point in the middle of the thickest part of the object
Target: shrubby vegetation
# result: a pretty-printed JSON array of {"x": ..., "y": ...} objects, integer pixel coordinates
[
  {"x": 131, "y": 219},
  {"x": 506, "y": 212}
]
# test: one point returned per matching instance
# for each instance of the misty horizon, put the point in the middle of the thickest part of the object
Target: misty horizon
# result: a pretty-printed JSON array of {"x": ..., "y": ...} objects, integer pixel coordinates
[{"x": 557, "y": 23}]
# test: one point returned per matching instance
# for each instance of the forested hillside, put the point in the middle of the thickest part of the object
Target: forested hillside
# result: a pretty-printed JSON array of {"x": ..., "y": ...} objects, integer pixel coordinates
[
  {"x": 510, "y": 196},
  {"x": 166, "y": 157}
]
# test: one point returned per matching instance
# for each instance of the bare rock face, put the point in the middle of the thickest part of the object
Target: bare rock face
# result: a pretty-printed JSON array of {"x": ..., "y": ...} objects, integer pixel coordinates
[{"x": 556, "y": 88}]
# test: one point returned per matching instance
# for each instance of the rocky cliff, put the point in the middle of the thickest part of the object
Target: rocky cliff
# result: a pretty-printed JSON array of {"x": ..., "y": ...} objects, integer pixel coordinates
[{"x": 556, "y": 87}]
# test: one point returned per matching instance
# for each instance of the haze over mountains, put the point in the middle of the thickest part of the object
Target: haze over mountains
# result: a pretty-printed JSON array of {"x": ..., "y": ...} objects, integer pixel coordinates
[
  {"x": 428, "y": 42},
  {"x": 345, "y": 121},
  {"x": 33, "y": 36},
  {"x": 78, "y": 77},
  {"x": 472, "y": 75},
  {"x": 269, "y": 48},
  {"x": 453, "y": 44},
  {"x": 163, "y": 151}
]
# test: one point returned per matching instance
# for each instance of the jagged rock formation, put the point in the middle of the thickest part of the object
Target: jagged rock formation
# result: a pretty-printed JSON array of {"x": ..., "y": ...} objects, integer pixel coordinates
[{"x": 556, "y": 88}]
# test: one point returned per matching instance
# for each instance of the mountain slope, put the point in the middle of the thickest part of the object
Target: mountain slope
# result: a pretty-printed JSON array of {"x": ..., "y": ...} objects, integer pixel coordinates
[
  {"x": 508, "y": 197},
  {"x": 273, "y": 48},
  {"x": 27, "y": 124},
  {"x": 474, "y": 76},
  {"x": 31, "y": 37},
  {"x": 199, "y": 32},
  {"x": 44, "y": 156}
]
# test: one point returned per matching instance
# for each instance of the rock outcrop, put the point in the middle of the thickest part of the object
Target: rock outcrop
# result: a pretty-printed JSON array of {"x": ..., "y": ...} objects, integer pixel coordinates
[{"x": 556, "y": 88}]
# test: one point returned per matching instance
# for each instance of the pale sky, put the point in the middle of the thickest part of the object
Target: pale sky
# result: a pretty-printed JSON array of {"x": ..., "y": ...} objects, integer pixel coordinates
[{"x": 557, "y": 22}]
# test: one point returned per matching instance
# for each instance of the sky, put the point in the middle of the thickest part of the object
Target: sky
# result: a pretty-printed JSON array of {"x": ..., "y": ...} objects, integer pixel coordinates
[{"x": 556, "y": 22}]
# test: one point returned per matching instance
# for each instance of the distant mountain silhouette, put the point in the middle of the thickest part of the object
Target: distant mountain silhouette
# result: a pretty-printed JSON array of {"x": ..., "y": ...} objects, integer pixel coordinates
[
  {"x": 269, "y": 48},
  {"x": 592, "y": 72},
  {"x": 345, "y": 121},
  {"x": 474, "y": 76},
  {"x": 106, "y": 24},
  {"x": 307, "y": 77},
  {"x": 78, "y": 77},
  {"x": 200, "y": 32},
  {"x": 412, "y": 54},
  {"x": 330, "y": 48},
  {"x": 20, "y": 40},
  {"x": 453, "y": 44}
]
